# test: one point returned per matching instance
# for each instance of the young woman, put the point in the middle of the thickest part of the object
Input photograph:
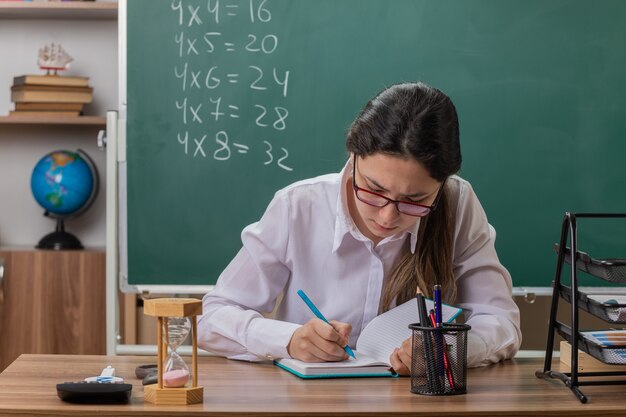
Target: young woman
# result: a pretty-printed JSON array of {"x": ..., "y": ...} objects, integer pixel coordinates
[{"x": 364, "y": 240}]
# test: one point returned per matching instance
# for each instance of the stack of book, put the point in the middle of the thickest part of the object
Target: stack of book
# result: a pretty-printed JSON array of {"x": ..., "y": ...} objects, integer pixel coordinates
[{"x": 50, "y": 95}]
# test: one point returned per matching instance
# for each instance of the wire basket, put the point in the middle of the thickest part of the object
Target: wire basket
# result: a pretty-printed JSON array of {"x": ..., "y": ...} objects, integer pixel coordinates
[
  {"x": 439, "y": 359},
  {"x": 610, "y": 311},
  {"x": 609, "y": 269},
  {"x": 613, "y": 355}
]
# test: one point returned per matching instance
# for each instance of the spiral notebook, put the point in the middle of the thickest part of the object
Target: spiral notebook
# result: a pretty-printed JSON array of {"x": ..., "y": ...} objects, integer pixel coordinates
[{"x": 373, "y": 348}]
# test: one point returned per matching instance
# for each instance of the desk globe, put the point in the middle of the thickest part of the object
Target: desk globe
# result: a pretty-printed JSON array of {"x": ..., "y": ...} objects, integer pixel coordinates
[{"x": 65, "y": 184}]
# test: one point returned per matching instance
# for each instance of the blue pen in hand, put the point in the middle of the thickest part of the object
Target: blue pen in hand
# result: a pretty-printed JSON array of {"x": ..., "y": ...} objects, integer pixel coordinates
[{"x": 320, "y": 316}]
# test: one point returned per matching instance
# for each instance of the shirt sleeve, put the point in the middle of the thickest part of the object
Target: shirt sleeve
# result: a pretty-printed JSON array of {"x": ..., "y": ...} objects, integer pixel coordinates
[
  {"x": 484, "y": 286},
  {"x": 232, "y": 323}
]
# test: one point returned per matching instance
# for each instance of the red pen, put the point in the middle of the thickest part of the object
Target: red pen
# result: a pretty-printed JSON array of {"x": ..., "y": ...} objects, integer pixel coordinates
[{"x": 445, "y": 354}]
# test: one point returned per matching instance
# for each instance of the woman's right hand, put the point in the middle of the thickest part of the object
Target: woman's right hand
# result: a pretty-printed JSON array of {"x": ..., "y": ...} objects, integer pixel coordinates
[{"x": 318, "y": 341}]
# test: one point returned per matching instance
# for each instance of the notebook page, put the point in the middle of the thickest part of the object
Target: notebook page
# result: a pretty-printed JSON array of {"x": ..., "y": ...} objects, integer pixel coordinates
[{"x": 386, "y": 332}]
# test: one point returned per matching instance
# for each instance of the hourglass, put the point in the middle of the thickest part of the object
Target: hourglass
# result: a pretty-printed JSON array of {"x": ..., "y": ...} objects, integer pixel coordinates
[
  {"x": 175, "y": 370},
  {"x": 177, "y": 385}
]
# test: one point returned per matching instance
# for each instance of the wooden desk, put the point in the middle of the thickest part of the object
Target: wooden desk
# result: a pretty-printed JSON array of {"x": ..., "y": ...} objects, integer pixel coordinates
[{"x": 28, "y": 387}]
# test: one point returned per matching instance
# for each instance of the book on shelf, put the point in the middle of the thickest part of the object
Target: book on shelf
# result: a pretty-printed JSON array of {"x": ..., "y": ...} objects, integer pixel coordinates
[
  {"x": 34, "y": 106},
  {"x": 373, "y": 348},
  {"x": 51, "y": 94},
  {"x": 57, "y": 80},
  {"x": 56, "y": 88},
  {"x": 44, "y": 113},
  {"x": 586, "y": 362}
]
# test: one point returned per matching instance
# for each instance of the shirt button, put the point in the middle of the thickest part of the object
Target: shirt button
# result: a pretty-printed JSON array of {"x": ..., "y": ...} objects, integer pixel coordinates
[{"x": 270, "y": 357}]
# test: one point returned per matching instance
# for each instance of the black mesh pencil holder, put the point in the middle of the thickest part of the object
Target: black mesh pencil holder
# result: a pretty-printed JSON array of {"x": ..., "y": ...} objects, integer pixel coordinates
[{"x": 439, "y": 362}]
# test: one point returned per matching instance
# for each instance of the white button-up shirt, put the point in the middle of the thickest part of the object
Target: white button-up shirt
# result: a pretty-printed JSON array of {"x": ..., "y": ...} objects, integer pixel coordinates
[{"x": 307, "y": 240}]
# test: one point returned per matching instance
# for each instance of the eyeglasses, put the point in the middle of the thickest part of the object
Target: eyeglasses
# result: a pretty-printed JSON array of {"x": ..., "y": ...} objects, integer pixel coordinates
[{"x": 406, "y": 207}]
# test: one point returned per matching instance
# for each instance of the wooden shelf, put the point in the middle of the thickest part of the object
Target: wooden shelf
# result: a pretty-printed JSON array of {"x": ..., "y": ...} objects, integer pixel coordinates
[
  {"x": 36, "y": 282},
  {"x": 34, "y": 120},
  {"x": 58, "y": 10}
]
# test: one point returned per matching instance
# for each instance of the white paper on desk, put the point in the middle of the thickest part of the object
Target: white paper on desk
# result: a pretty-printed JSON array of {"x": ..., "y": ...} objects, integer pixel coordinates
[{"x": 386, "y": 332}]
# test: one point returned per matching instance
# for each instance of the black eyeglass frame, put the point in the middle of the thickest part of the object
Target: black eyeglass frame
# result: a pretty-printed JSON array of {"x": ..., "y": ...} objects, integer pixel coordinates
[{"x": 397, "y": 203}]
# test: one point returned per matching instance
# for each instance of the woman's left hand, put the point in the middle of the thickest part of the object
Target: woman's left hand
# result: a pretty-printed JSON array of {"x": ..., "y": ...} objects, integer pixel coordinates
[{"x": 400, "y": 358}]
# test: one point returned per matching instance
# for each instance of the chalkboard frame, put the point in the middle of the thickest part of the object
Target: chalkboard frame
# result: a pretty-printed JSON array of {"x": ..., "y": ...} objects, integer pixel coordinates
[{"x": 128, "y": 286}]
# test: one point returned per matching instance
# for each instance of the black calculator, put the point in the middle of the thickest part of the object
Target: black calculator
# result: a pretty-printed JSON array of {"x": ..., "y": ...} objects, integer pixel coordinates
[{"x": 94, "y": 392}]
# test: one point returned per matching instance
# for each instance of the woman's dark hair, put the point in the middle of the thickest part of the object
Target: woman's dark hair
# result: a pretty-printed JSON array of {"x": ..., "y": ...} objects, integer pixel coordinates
[
  {"x": 410, "y": 120},
  {"x": 419, "y": 122}
]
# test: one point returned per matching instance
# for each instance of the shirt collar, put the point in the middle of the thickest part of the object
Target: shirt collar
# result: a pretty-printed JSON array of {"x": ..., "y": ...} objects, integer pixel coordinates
[{"x": 344, "y": 225}]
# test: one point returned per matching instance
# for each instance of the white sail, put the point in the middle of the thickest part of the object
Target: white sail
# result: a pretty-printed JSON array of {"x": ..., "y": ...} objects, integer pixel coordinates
[{"x": 53, "y": 57}]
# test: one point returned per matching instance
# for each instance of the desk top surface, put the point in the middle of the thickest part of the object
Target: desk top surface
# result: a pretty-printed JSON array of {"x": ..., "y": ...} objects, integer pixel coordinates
[{"x": 28, "y": 387}]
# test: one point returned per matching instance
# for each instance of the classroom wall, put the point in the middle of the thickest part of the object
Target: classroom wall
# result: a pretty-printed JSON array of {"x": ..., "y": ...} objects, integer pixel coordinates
[{"x": 93, "y": 45}]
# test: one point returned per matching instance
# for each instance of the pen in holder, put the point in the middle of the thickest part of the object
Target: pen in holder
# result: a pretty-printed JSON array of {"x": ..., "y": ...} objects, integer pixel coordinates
[{"x": 439, "y": 359}]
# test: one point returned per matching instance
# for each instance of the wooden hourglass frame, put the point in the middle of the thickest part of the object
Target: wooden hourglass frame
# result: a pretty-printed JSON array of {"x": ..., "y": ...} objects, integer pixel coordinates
[{"x": 163, "y": 308}]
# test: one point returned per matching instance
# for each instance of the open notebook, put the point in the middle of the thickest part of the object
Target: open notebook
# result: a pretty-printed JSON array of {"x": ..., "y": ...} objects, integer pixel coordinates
[{"x": 373, "y": 348}]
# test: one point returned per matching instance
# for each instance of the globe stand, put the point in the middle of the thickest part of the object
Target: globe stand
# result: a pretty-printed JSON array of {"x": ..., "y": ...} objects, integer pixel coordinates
[{"x": 59, "y": 239}]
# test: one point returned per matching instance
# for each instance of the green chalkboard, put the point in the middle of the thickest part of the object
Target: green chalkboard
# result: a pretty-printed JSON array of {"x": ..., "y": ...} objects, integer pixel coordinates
[{"x": 229, "y": 100}]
